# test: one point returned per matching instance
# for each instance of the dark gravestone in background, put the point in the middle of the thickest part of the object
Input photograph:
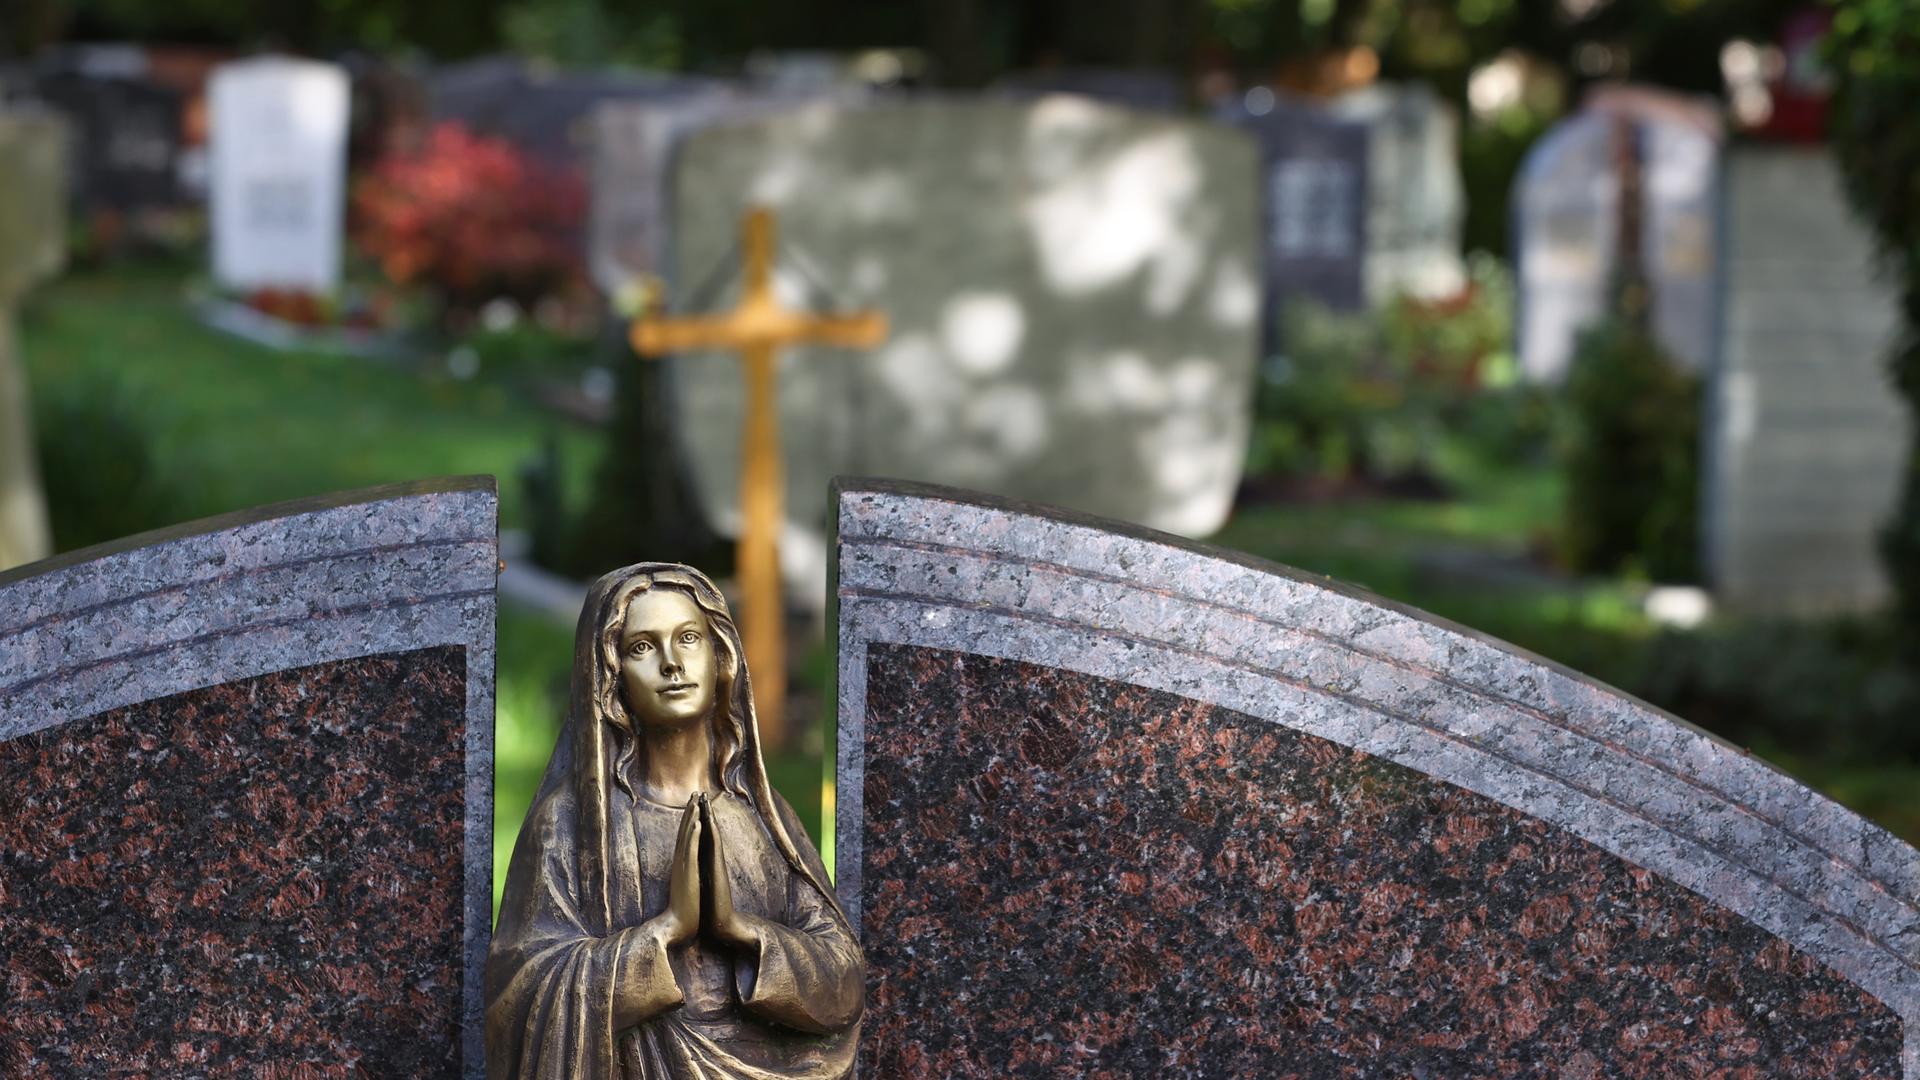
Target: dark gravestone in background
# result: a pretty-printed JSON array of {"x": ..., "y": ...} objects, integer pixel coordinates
[
  {"x": 245, "y": 794},
  {"x": 1314, "y": 181},
  {"x": 1114, "y": 804},
  {"x": 547, "y": 114},
  {"x": 127, "y": 140}
]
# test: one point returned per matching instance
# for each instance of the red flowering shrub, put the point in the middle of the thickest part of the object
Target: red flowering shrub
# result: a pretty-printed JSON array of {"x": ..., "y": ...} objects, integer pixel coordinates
[{"x": 474, "y": 216}]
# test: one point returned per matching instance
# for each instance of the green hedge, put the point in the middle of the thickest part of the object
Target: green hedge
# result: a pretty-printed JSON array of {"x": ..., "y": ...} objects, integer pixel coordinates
[{"x": 1630, "y": 446}]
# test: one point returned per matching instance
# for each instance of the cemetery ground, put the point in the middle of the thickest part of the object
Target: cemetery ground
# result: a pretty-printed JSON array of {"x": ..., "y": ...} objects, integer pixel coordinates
[{"x": 149, "y": 418}]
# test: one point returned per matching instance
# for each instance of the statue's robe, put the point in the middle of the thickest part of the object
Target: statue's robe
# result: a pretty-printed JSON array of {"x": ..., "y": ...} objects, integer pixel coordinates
[{"x": 568, "y": 1000}]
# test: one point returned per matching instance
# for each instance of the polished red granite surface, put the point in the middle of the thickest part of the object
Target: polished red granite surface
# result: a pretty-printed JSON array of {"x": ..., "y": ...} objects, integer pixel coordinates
[
  {"x": 257, "y": 879},
  {"x": 1066, "y": 875}
]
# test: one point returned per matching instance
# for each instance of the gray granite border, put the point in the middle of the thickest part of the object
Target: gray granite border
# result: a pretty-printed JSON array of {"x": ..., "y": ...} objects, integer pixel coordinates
[
  {"x": 945, "y": 569},
  {"x": 357, "y": 574}
]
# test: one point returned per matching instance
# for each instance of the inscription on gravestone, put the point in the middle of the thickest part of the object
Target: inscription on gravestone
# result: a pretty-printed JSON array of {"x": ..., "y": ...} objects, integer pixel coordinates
[
  {"x": 1312, "y": 202},
  {"x": 127, "y": 139},
  {"x": 245, "y": 794},
  {"x": 1316, "y": 171},
  {"x": 279, "y": 156},
  {"x": 1111, "y": 803}
]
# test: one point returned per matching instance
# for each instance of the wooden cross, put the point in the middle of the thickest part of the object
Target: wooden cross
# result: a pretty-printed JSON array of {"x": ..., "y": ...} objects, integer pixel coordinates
[{"x": 756, "y": 328}]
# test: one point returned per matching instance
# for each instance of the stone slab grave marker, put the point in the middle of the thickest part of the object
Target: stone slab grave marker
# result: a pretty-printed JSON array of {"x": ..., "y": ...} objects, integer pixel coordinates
[
  {"x": 1112, "y": 803},
  {"x": 759, "y": 327},
  {"x": 127, "y": 139},
  {"x": 634, "y": 143},
  {"x": 33, "y": 247},
  {"x": 278, "y": 134},
  {"x": 1073, "y": 291},
  {"x": 1566, "y": 206},
  {"x": 1314, "y": 179},
  {"x": 1805, "y": 435},
  {"x": 1416, "y": 204},
  {"x": 246, "y": 776}
]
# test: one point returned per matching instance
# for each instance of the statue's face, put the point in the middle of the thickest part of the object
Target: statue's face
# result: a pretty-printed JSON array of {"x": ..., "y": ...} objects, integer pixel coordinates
[{"x": 666, "y": 660}]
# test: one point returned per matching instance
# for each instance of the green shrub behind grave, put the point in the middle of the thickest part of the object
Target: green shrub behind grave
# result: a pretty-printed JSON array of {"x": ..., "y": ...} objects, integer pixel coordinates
[
  {"x": 1630, "y": 446},
  {"x": 1375, "y": 396},
  {"x": 1874, "y": 54}
]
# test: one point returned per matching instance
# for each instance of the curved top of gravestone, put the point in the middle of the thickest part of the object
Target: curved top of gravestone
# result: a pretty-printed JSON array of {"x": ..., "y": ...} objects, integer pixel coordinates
[
  {"x": 944, "y": 569},
  {"x": 244, "y": 594}
]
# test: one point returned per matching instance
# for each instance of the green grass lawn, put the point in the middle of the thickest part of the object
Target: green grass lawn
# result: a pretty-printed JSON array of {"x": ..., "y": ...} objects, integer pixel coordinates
[
  {"x": 1469, "y": 559},
  {"x": 234, "y": 425}
]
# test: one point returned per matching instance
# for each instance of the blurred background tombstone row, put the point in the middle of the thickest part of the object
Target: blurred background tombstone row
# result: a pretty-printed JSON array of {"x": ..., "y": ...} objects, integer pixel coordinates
[{"x": 1359, "y": 193}]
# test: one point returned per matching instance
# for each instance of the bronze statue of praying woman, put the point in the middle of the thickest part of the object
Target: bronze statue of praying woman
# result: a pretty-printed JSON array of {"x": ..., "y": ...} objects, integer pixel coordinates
[{"x": 665, "y": 915}]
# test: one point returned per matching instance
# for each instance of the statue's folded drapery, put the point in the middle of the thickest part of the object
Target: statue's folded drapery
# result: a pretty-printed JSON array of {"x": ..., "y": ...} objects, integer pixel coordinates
[{"x": 572, "y": 1003}]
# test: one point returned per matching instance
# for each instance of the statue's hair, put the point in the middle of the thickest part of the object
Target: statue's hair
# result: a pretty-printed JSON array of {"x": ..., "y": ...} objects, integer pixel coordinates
[
  {"x": 609, "y": 703},
  {"x": 597, "y": 716}
]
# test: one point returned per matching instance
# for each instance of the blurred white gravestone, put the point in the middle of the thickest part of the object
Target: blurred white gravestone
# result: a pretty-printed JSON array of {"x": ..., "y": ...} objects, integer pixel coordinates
[
  {"x": 1807, "y": 438},
  {"x": 33, "y": 247},
  {"x": 1567, "y": 205},
  {"x": 278, "y": 132},
  {"x": 1416, "y": 203},
  {"x": 1073, "y": 289}
]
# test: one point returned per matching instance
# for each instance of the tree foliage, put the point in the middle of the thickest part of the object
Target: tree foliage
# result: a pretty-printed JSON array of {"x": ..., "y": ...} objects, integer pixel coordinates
[{"x": 1874, "y": 51}]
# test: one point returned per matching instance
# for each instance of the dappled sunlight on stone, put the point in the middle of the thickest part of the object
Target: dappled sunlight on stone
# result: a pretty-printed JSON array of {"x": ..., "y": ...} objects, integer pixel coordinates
[
  {"x": 1013, "y": 418},
  {"x": 982, "y": 331},
  {"x": 1073, "y": 289},
  {"x": 1120, "y": 215},
  {"x": 1234, "y": 299}
]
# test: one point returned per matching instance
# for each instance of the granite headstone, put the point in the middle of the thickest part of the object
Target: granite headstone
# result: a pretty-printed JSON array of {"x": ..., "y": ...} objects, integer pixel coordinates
[
  {"x": 1416, "y": 203},
  {"x": 1314, "y": 182},
  {"x": 278, "y": 161},
  {"x": 33, "y": 247},
  {"x": 1566, "y": 221},
  {"x": 1115, "y": 804},
  {"x": 1806, "y": 437},
  {"x": 247, "y": 770},
  {"x": 127, "y": 139},
  {"x": 1073, "y": 291}
]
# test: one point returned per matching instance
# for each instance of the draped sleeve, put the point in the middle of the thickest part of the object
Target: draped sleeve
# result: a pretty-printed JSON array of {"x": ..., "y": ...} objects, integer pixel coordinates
[
  {"x": 808, "y": 974},
  {"x": 557, "y": 993}
]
